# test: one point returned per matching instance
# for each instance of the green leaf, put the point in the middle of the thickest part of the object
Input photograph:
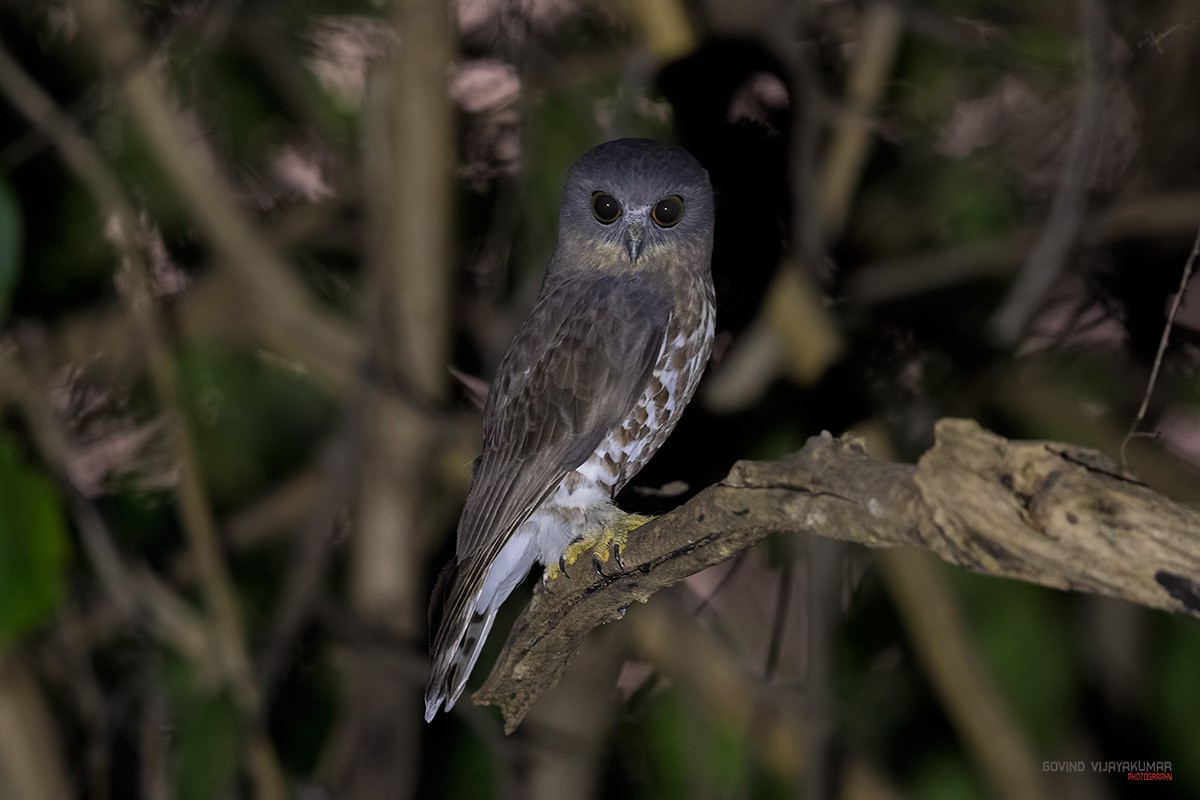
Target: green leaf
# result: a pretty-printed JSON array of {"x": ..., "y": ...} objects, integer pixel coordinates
[
  {"x": 668, "y": 733},
  {"x": 946, "y": 775},
  {"x": 1025, "y": 634},
  {"x": 471, "y": 773},
  {"x": 11, "y": 227},
  {"x": 207, "y": 738},
  {"x": 1174, "y": 696},
  {"x": 253, "y": 421},
  {"x": 974, "y": 205},
  {"x": 33, "y": 545},
  {"x": 688, "y": 752}
]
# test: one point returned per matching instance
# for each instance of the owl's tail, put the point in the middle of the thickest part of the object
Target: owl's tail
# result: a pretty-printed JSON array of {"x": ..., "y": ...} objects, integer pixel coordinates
[{"x": 461, "y": 632}]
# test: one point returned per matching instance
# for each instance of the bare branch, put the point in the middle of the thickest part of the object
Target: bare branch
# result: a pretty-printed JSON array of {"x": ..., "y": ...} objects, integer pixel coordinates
[
  {"x": 1162, "y": 345},
  {"x": 1041, "y": 512}
]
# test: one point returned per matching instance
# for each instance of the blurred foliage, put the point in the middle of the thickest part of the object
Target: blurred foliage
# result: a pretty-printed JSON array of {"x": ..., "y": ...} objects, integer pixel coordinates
[
  {"x": 1029, "y": 649},
  {"x": 967, "y": 149},
  {"x": 10, "y": 244},
  {"x": 34, "y": 548},
  {"x": 206, "y": 737},
  {"x": 943, "y": 776},
  {"x": 1174, "y": 697},
  {"x": 255, "y": 422},
  {"x": 683, "y": 756}
]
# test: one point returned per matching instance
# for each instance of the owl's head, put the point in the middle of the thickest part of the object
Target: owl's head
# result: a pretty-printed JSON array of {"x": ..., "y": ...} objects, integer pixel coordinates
[{"x": 633, "y": 204}]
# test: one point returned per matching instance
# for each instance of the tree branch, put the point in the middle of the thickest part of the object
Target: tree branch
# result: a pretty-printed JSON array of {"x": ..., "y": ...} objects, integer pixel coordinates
[{"x": 1041, "y": 512}]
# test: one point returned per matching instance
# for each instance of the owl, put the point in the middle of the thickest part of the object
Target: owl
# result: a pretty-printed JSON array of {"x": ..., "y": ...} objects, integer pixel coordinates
[{"x": 590, "y": 387}]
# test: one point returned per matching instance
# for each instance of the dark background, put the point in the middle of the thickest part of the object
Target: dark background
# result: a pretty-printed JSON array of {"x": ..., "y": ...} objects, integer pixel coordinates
[{"x": 240, "y": 243}]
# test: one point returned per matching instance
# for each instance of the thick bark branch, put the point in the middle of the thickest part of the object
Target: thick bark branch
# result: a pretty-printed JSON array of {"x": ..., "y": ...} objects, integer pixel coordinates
[{"x": 1041, "y": 512}]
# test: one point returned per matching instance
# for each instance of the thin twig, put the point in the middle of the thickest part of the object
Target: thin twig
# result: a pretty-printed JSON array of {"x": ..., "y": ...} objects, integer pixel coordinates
[
  {"x": 1155, "y": 40},
  {"x": 783, "y": 605},
  {"x": 313, "y": 549},
  {"x": 1162, "y": 346}
]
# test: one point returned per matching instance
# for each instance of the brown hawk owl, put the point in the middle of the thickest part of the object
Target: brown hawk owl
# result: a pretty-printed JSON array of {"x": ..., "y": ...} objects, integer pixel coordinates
[{"x": 592, "y": 384}]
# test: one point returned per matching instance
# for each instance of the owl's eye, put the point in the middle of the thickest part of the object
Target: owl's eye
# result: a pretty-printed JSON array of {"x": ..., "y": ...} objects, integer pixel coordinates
[
  {"x": 605, "y": 207},
  {"x": 668, "y": 211}
]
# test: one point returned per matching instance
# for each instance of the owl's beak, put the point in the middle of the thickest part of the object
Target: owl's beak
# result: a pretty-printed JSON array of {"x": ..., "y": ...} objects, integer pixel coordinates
[{"x": 635, "y": 234}]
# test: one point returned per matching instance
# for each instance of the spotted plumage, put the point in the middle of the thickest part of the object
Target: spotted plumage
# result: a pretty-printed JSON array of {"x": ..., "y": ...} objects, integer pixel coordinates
[{"x": 591, "y": 386}]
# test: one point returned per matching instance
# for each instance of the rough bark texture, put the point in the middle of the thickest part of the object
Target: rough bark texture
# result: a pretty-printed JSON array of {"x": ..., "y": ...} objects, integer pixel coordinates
[{"x": 1041, "y": 512}]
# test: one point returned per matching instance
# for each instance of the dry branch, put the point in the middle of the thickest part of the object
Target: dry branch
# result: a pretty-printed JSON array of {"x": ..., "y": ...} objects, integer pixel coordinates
[
  {"x": 1162, "y": 346},
  {"x": 1042, "y": 512}
]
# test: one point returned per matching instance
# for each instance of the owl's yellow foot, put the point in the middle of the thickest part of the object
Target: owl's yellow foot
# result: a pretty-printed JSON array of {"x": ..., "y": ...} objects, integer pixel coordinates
[{"x": 605, "y": 544}]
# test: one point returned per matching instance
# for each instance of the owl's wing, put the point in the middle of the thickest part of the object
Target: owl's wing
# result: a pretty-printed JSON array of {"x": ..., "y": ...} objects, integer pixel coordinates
[{"x": 574, "y": 371}]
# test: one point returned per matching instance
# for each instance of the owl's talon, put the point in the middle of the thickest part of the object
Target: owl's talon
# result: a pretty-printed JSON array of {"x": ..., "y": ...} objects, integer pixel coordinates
[
  {"x": 606, "y": 544},
  {"x": 598, "y": 562},
  {"x": 551, "y": 573}
]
